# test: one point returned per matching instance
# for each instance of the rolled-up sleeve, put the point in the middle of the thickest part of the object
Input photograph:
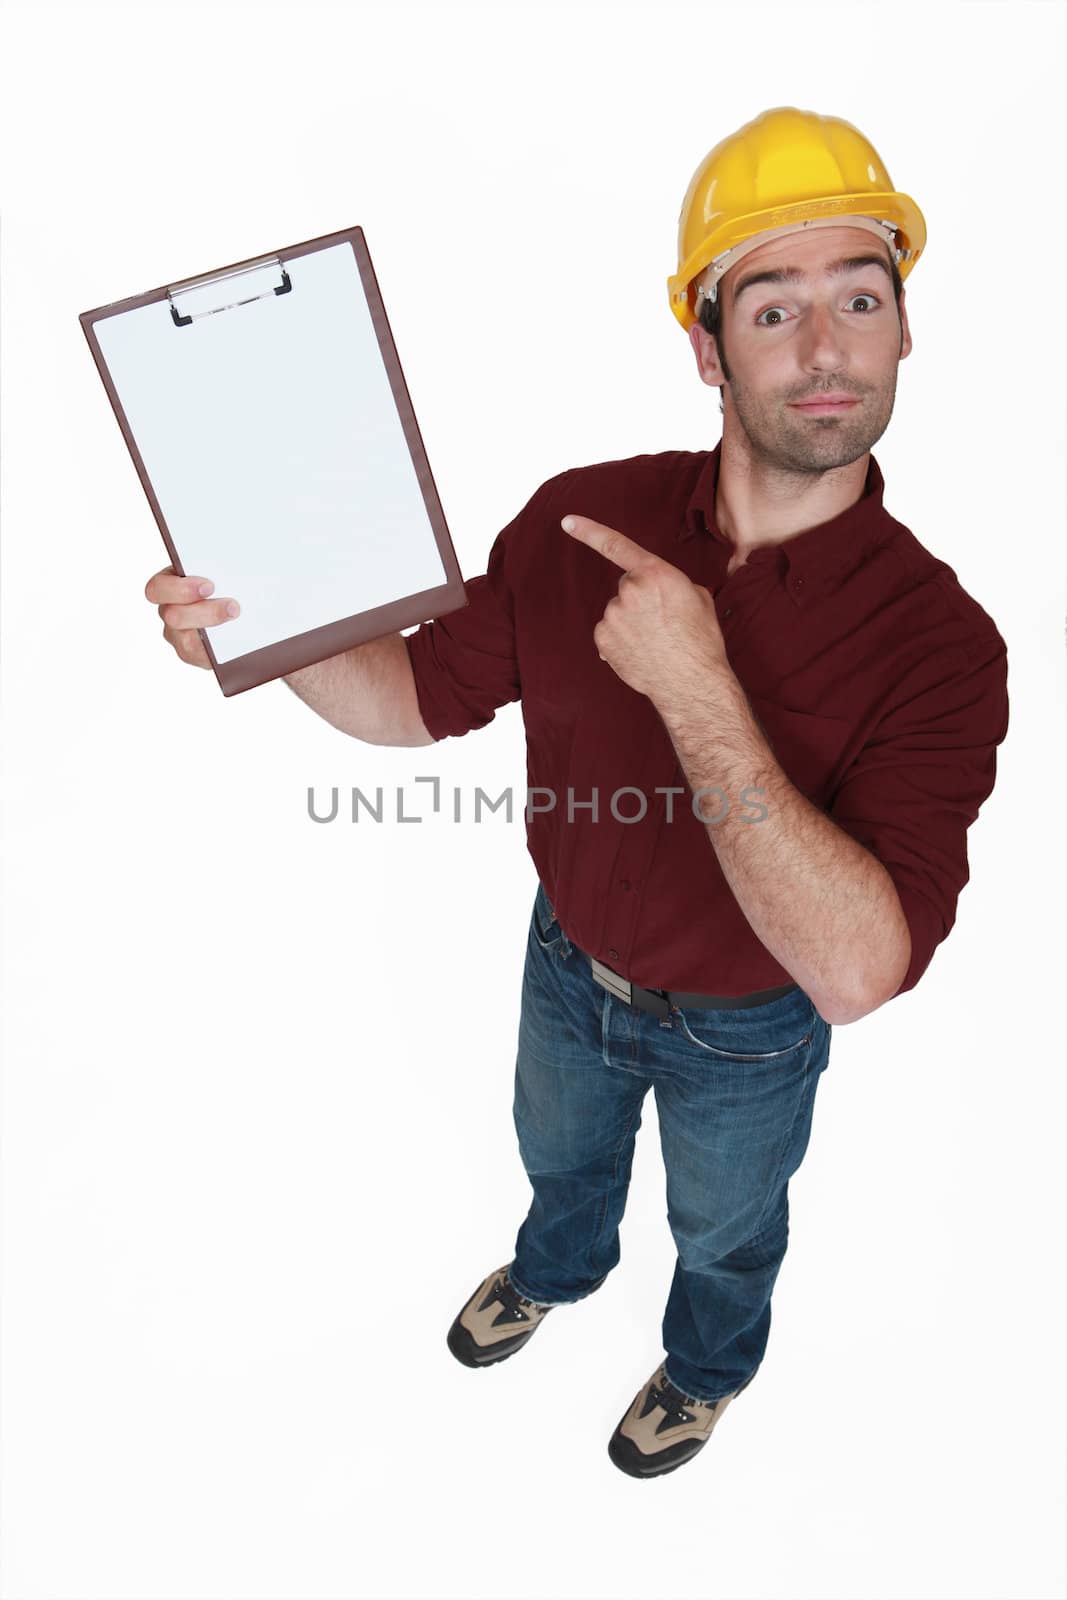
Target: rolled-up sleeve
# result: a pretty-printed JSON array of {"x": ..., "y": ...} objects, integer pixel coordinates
[
  {"x": 918, "y": 784},
  {"x": 465, "y": 663}
]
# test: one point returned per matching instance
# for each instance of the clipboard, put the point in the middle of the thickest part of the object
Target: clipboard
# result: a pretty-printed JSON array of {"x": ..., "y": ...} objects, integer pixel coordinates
[{"x": 268, "y": 418}]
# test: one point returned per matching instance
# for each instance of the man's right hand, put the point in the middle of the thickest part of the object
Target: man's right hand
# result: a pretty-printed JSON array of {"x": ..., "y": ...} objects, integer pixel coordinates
[{"x": 184, "y": 609}]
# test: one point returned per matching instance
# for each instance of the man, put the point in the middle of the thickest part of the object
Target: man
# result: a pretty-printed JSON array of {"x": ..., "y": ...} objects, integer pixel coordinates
[{"x": 748, "y": 624}]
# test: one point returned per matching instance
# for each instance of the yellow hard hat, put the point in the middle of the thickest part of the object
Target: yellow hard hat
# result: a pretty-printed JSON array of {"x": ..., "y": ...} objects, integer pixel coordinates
[{"x": 784, "y": 171}]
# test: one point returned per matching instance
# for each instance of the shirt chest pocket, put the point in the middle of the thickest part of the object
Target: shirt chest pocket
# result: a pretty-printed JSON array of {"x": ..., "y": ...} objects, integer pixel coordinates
[{"x": 810, "y": 748}]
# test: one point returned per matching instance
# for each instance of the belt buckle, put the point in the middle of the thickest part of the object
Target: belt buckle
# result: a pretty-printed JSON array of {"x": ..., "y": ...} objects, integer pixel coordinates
[
  {"x": 623, "y": 989},
  {"x": 610, "y": 980}
]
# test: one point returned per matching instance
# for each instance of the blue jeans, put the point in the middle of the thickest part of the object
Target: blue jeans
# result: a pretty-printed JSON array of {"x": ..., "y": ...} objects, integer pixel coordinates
[{"x": 735, "y": 1089}]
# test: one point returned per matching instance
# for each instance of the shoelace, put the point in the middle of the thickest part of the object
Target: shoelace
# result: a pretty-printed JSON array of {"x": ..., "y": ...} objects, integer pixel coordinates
[
  {"x": 509, "y": 1298},
  {"x": 677, "y": 1405}
]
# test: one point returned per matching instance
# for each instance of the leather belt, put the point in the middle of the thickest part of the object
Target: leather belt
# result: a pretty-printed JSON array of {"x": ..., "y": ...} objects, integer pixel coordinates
[{"x": 660, "y": 1001}]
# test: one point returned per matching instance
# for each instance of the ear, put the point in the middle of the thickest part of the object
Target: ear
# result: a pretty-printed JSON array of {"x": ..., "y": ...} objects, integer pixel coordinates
[
  {"x": 706, "y": 350},
  {"x": 905, "y": 348}
]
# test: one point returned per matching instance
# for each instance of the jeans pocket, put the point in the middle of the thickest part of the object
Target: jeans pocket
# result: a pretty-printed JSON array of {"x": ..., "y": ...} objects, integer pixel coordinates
[
  {"x": 543, "y": 923},
  {"x": 738, "y": 1034}
]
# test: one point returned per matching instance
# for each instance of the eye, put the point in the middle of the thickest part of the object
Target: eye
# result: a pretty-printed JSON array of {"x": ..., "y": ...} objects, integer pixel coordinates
[{"x": 769, "y": 309}]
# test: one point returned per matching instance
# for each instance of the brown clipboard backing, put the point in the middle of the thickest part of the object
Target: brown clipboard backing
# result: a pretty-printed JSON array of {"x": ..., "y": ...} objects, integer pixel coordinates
[{"x": 303, "y": 649}]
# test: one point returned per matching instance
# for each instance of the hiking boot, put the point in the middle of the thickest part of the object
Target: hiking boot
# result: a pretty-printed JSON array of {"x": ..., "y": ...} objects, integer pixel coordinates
[
  {"x": 664, "y": 1428},
  {"x": 495, "y": 1322}
]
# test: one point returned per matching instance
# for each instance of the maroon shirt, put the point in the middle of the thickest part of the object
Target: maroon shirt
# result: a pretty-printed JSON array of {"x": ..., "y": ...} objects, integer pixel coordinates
[{"x": 880, "y": 684}]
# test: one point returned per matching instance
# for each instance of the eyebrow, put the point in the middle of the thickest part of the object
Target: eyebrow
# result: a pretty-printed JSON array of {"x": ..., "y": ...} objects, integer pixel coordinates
[{"x": 834, "y": 269}]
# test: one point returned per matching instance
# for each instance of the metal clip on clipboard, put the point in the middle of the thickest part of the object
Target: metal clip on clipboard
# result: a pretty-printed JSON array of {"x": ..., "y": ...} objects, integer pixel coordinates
[{"x": 199, "y": 288}]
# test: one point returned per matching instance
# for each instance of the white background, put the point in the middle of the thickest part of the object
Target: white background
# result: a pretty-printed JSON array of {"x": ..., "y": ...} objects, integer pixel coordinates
[{"x": 257, "y": 1073}]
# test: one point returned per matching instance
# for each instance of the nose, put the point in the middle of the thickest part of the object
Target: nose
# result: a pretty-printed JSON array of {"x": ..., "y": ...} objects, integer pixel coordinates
[{"x": 824, "y": 335}]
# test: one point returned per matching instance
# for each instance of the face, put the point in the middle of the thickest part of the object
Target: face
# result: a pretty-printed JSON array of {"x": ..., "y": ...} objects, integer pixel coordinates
[{"x": 787, "y": 342}]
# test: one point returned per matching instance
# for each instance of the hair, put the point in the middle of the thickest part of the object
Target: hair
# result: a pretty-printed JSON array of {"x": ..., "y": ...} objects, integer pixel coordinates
[{"x": 711, "y": 320}]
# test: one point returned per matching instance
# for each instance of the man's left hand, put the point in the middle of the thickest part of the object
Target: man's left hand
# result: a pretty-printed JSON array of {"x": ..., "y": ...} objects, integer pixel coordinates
[{"x": 660, "y": 632}]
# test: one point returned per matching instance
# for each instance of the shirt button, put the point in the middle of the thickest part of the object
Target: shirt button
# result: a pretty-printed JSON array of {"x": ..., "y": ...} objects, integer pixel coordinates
[
  {"x": 624, "y": 883},
  {"x": 614, "y": 954},
  {"x": 728, "y": 612},
  {"x": 798, "y": 582}
]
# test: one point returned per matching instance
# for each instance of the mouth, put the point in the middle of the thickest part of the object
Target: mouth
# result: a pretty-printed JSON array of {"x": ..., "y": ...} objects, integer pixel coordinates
[{"x": 821, "y": 408}]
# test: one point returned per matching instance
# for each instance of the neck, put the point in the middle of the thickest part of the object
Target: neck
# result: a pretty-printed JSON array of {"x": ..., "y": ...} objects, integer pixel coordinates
[{"x": 759, "y": 501}]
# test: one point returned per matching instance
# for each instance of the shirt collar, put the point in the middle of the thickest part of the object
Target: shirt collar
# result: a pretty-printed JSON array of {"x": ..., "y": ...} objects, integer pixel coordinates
[{"x": 827, "y": 551}]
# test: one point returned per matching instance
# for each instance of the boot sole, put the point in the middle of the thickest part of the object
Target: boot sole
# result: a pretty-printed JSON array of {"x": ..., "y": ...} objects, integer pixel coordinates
[{"x": 634, "y": 1467}]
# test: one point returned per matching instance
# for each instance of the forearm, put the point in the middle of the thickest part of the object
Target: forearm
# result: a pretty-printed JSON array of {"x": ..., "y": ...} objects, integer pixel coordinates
[
  {"x": 367, "y": 692},
  {"x": 824, "y": 906}
]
